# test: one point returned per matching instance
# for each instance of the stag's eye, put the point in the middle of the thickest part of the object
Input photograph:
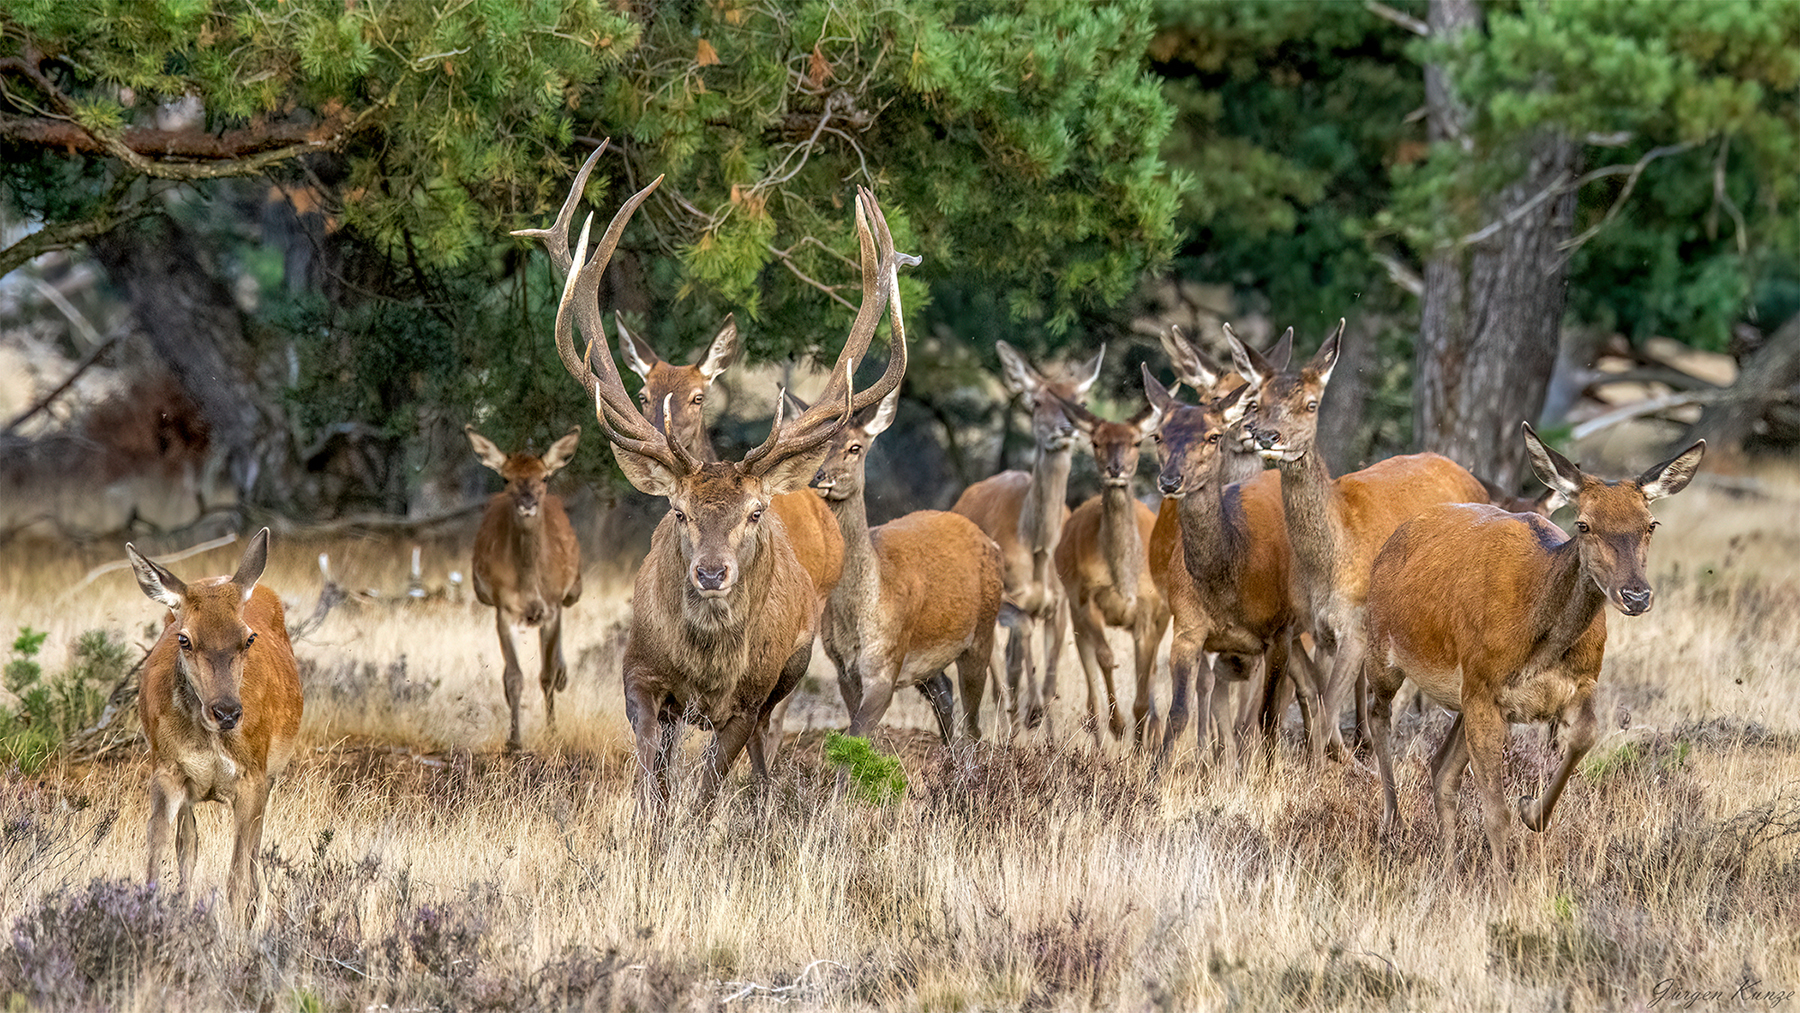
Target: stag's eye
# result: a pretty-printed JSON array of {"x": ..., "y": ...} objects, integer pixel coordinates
[
  {"x": 699, "y": 398},
  {"x": 680, "y": 518},
  {"x": 853, "y": 449},
  {"x": 186, "y": 644},
  {"x": 1312, "y": 406},
  {"x": 251, "y": 639},
  {"x": 1212, "y": 437},
  {"x": 755, "y": 515},
  {"x": 1582, "y": 526}
]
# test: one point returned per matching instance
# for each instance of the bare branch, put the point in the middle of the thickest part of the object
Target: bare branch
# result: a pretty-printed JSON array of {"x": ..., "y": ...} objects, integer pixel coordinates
[
  {"x": 829, "y": 290},
  {"x": 45, "y": 401},
  {"x": 1401, "y": 18},
  {"x": 1635, "y": 170}
]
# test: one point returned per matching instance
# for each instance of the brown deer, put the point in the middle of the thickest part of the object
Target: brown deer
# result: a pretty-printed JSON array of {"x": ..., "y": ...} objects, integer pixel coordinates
[
  {"x": 919, "y": 593},
  {"x": 220, "y": 703},
  {"x": 1336, "y": 525},
  {"x": 1100, "y": 561},
  {"x": 1024, "y": 512},
  {"x": 1501, "y": 617},
  {"x": 672, "y": 398},
  {"x": 1234, "y": 555},
  {"x": 723, "y": 612},
  {"x": 527, "y": 567}
]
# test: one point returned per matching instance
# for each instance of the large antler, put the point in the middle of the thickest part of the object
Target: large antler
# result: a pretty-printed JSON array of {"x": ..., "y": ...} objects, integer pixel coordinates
[{"x": 880, "y": 283}]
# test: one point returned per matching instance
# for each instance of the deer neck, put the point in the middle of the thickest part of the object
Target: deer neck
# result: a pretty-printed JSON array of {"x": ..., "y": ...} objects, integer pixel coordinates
[
  {"x": 1309, "y": 501},
  {"x": 1041, "y": 512},
  {"x": 1119, "y": 537},
  {"x": 1566, "y": 604},
  {"x": 1213, "y": 537},
  {"x": 525, "y": 538},
  {"x": 860, "y": 581}
]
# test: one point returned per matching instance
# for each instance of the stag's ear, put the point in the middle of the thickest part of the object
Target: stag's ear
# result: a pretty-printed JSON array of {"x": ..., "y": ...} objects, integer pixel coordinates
[
  {"x": 250, "y": 568},
  {"x": 489, "y": 454},
  {"x": 1673, "y": 475},
  {"x": 722, "y": 352},
  {"x": 639, "y": 356},
  {"x": 1086, "y": 375},
  {"x": 1249, "y": 362},
  {"x": 1160, "y": 397},
  {"x": 795, "y": 473},
  {"x": 881, "y": 416},
  {"x": 1553, "y": 469},
  {"x": 645, "y": 474},
  {"x": 1193, "y": 367},
  {"x": 1020, "y": 376},
  {"x": 561, "y": 451},
  {"x": 1325, "y": 359},
  {"x": 1283, "y": 352},
  {"x": 162, "y": 586}
]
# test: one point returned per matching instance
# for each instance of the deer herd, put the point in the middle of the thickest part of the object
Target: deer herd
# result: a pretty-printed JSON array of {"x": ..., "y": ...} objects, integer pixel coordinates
[{"x": 1282, "y": 583}]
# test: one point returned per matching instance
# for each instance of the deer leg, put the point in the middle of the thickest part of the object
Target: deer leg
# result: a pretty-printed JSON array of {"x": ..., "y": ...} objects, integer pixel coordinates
[
  {"x": 1220, "y": 722},
  {"x": 168, "y": 798},
  {"x": 942, "y": 698},
  {"x": 1185, "y": 657},
  {"x": 1582, "y": 733},
  {"x": 1447, "y": 766},
  {"x": 654, "y": 742},
  {"x": 243, "y": 890},
  {"x": 512, "y": 677},
  {"x": 187, "y": 842},
  {"x": 1383, "y": 682},
  {"x": 1346, "y": 670},
  {"x": 1485, "y": 729},
  {"x": 1096, "y": 661},
  {"x": 774, "y": 713},
  {"x": 552, "y": 673},
  {"x": 1055, "y": 628},
  {"x": 1146, "y": 635},
  {"x": 972, "y": 676},
  {"x": 729, "y": 739},
  {"x": 877, "y": 694}
]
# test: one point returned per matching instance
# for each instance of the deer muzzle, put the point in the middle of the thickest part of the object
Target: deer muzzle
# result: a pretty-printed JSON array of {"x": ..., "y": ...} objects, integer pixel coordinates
[
  {"x": 225, "y": 713},
  {"x": 712, "y": 581},
  {"x": 1634, "y": 601}
]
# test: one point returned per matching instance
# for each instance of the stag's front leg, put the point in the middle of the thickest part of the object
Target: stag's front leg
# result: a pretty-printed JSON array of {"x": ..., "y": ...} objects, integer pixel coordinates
[
  {"x": 729, "y": 740},
  {"x": 653, "y": 737},
  {"x": 247, "y": 809}
]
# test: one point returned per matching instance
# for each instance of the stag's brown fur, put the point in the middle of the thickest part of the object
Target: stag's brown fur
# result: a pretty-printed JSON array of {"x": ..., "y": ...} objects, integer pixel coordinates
[
  {"x": 220, "y": 703},
  {"x": 1501, "y": 617},
  {"x": 527, "y": 567}
]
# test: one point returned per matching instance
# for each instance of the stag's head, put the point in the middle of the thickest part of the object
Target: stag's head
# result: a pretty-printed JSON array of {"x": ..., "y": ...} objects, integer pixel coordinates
[
  {"x": 840, "y": 475},
  {"x": 673, "y": 397},
  {"x": 1051, "y": 427},
  {"x": 527, "y": 475},
  {"x": 1612, "y": 519},
  {"x": 1281, "y": 411},
  {"x": 212, "y": 640},
  {"x": 717, "y": 509},
  {"x": 1116, "y": 445},
  {"x": 1193, "y": 442}
]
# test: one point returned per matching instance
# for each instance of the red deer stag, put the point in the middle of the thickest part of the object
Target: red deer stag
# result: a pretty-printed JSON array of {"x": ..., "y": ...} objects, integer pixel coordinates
[
  {"x": 672, "y": 398},
  {"x": 1100, "y": 561},
  {"x": 1501, "y": 617},
  {"x": 1232, "y": 585},
  {"x": 919, "y": 593},
  {"x": 220, "y": 702},
  {"x": 527, "y": 567},
  {"x": 1024, "y": 512},
  {"x": 1336, "y": 525},
  {"x": 723, "y": 612}
]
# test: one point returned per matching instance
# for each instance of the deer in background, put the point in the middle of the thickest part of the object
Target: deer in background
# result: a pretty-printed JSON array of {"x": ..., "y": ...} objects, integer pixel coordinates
[
  {"x": 220, "y": 702},
  {"x": 1501, "y": 617},
  {"x": 1100, "y": 561},
  {"x": 672, "y": 398},
  {"x": 919, "y": 592},
  {"x": 1235, "y": 559},
  {"x": 723, "y": 612},
  {"x": 1024, "y": 512},
  {"x": 1336, "y": 525},
  {"x": 527, "y": 567}
]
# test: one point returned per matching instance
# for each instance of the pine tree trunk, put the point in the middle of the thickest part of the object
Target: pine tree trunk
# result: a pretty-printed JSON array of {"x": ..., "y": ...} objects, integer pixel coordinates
[{"x": 1492, "y": 308}]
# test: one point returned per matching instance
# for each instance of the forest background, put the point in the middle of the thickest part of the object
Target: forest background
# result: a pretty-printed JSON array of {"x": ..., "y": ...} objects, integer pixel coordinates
[{"x": 283, "y": 226}]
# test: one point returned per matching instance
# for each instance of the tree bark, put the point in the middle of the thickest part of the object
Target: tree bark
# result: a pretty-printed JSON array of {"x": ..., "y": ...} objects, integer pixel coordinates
[{"x": 1492, "y": 307}]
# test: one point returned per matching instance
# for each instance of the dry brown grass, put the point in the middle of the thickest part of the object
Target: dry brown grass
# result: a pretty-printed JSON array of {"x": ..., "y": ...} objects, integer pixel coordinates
[{"x": 411, "y": 864}]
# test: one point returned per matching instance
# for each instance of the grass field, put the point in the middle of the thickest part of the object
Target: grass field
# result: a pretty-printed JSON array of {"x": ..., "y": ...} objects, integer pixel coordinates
[{"x": 411, "y": 865}]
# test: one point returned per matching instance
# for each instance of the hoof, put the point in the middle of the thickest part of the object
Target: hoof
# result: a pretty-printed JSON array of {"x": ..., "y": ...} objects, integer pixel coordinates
[{"x": 1531, "y": 814}]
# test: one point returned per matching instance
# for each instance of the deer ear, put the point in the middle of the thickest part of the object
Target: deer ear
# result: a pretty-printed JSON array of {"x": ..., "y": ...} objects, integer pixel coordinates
[
  {"x": 883, "y": 414},
  {"x": 250, "y": 568},
  {"x": 489, "y": 454},
  {"x": 1194, "y": 368},
  {"x": 1673, "y": 475},
  {"x": 1146, "y": 420},
  {"x": 722, "y": 352},
  {"x": 645, "y": 474},
  {"x": 1161, "y": 400},
  {"x": 1019, "y": 375},
  {"x": 1249, "y": 362},
  {"x": 639, "y": 356},
  {"x": 162, "y": 586},
  {"x": 1086, "y": 375},
  {"x": 1552, "y": 468},
  {"x": 1325, "y": 359},
  {"x": 561, "y": 451},
  {"x": 796, "y": 472},
  {"x": 1283, "y": 352}
]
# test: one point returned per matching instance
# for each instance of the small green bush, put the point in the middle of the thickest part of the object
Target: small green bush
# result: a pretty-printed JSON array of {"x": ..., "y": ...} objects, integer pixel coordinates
[
  {"x": 50, "y": 710},
  {"x": 876, "y": 777}
]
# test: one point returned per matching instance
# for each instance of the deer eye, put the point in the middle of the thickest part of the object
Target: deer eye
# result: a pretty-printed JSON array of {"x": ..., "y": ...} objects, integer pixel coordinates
[
  {"x": 251, "y": 639},
  {"x": 186, "y": 644},
  {"x": 1653, "y": 526},
  {"x": 1582, "y": 526},
  {"x": 644, "y": 399},
  {"x": 853, "y": 449},
  {"x": 1312, "y": 406},
  {"x": 698, "y": 398},
  {"x": 680, "y": 518},
  {"x": 1212, "y": 437},
  {"x": 756, "y": 515}
]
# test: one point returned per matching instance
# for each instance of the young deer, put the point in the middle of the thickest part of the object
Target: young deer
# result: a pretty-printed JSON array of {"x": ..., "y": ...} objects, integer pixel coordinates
[
  {"x": 919, "y": 592},
  {"x": 1336, "y": 525},
  {"x": 1100, "y": 561},
  {"x": 1024, "y": 512},
  {"x": 723, "y": 612},
  {"x": 672, "y": 398},
  {"x": 220, "y": 703},
  {"x": 1232, "y": 588},
  {"x": 527, "y": 567},
  {"x": 1501, "y": 617}
]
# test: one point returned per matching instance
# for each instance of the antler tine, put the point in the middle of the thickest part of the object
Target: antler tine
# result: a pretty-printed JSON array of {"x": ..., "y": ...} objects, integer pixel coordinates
[
  {"x": 896, "y": 367},
  {"x": 556, "y": 237}
]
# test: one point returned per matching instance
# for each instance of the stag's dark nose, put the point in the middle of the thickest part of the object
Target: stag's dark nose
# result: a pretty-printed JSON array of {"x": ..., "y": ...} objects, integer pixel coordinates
[
  {"x": 710, "y": 580},
  {"x": 227, "y": 713},
  {"x": 1637, "y": 600},
  {"x": 1168, "y": 484},
  {"x": 1265, "y": 439}
]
